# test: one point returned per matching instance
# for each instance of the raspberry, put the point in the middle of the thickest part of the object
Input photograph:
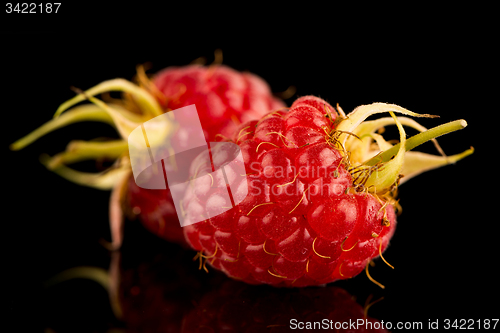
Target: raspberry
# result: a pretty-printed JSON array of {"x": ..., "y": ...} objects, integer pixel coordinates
[
  {"x": 222, "y": 96},
  {"x": 321, "y": 185},
  {"x": 312, "y": 214}
]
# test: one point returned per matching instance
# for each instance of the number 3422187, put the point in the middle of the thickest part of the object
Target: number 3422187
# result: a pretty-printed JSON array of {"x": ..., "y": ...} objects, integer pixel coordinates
[
  {"x": 32, "y": 8},
  {"x": 470, "y": 324}
]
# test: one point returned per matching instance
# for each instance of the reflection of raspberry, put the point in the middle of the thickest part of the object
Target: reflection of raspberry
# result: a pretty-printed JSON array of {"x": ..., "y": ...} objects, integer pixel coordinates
[
  {"x": 162, "y": 294},
  {"x": 222, "y": 97},
  {"x": 234, "y": 307},
  {"x": 302, "y": 222},
  {"x": 155, "y": 295}
]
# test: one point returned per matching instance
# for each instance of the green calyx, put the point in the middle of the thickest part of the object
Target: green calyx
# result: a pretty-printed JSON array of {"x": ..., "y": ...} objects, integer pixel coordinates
[
  {"x": 378, "y": 166},
  {"x": 118, "y": 114}
]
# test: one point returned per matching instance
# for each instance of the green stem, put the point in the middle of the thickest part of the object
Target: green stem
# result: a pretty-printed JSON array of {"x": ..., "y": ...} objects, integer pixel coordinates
[
  {"x": 144, "y": 98},
  {"x": 417, "y": 140},
  {"x": 80, "y": 113},
  {"x": 87, "y": 150},
  {"x": 104, "y": 180}
]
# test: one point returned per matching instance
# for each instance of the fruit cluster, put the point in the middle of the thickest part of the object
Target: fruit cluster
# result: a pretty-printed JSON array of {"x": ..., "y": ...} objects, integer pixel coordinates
[{"x": 317, "y": 202}]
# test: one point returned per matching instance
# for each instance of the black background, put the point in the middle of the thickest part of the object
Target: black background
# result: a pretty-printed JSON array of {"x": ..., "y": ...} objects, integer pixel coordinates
[{"x": 444, "y": 249}]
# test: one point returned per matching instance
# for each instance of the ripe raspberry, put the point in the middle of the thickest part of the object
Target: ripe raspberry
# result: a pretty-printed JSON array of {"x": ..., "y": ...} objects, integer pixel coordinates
[
  {"x": 222, "y": 95},
  {"x": 223, "y": 98},
  {"x": 312, "y": 215}
]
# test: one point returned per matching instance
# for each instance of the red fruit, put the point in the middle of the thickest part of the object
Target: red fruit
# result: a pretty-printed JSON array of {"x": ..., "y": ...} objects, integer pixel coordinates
[
  {"x": 221, "y": 95},
  {"x": 223, "y": 98},
  {"x": 321, "y": 186},
  {"x": 318, "y": 209}
]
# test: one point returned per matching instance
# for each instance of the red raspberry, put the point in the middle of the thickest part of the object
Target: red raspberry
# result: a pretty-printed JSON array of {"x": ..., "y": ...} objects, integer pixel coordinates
[
  {"x": 222, "y": 97},
  {"x": 321, "y": 187},
  {"x": 311, "y": 215}
]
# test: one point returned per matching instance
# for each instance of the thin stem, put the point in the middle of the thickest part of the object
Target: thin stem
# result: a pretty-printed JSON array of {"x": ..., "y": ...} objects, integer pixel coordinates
[
  {"x": 144, "y": 98},
  {"x": 418, "y": 139},
  {"x": 87, "y": 150},
  {"x": 85, "y": 112}
]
